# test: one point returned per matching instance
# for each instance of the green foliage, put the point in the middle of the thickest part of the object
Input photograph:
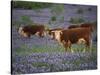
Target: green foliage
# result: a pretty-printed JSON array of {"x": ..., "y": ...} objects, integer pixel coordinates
[
  {"x": 26, "y": 20},
  {"x": 29, "y": 5},
  {"x": 23, "y": 50},
  {"x": 75, "y": 20},
  {"x": 16, "y": 23},
  {"x": 57, "y": 9},
  {"x": 53, "y": 18},
  {"x": 80, "y": 11},
  {"x": 62, "y": 19},
  {"x": 42, "y": 49}
]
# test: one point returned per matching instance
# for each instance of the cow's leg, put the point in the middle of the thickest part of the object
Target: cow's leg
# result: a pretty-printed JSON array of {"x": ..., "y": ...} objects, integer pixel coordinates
[
  {"x": 88, "y": 44},
  {"x": 67, "y": 46},
  {"x": 29, "y": 35},
  {"x": 41, "y": 34},
  {"x": 26, "y": 34}
]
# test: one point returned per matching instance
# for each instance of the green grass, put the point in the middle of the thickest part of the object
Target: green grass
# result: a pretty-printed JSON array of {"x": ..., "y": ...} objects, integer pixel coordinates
[
  {"x": 51, "y": 48},
  {"x": 24, "y": 50},
  {"x": 29, "y": 5}
]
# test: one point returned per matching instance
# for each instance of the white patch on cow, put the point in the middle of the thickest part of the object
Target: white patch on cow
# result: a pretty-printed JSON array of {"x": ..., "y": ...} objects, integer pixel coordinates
[
  {"x": 20, "y": 30},
  {"x": 81, "y": 41},
  {"x": 44, "y": 33},
  {"x": 57, "y": 35},
  {"x": 24, "y": 34},
  {"x": 37, "y": 33}
]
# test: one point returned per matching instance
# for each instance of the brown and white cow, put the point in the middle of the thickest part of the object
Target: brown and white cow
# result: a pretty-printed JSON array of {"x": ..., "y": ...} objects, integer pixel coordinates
[
  {"x": 71, "y": 36},
  {"x": 28, "y": 31}
]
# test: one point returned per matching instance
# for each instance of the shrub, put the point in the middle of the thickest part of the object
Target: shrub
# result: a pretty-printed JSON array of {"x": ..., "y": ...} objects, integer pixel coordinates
[
  {"x": 57, "y": 9},
  {"x": 80, "y": 11},
  {"x": 26, "y": 20},
  {"x": 29, "y": 5},
  {"x": 76, "y": 20},
  {"x": 53, "y": 18}
]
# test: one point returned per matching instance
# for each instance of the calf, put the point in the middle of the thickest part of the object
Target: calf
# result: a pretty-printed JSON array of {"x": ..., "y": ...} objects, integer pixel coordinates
[{"x": 28, "y": 31}]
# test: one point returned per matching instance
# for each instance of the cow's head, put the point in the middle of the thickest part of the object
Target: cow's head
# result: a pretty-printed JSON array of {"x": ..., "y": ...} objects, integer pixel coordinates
[
  {"x": 22, "y": 33},
  {"x": 55, "y": 34}
]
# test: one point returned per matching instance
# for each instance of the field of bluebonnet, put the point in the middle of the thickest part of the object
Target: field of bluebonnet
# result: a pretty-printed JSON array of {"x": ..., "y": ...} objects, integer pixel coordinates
[{"x": 39, "y": 55}]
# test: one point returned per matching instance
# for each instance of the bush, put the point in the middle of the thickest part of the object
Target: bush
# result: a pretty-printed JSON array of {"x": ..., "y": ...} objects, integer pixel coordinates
[
  {"x": 76, "y": 20},
  {"x": 57, "y": 9},
  {"x": 80, "y": 11},
  {"x": 26, "y": 20},
  {"x": 29, "y": 5},
  {"x": 53, "y": 18}
]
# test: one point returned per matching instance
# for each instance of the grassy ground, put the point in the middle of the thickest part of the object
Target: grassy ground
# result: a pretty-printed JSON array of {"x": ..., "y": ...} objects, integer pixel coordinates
[
  {"x": 37, "y": 55},
  {"x": 24, "y": 50}
]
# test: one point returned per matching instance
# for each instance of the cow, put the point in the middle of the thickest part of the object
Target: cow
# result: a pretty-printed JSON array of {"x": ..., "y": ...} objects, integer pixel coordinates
[
  {"x": 68, "y": 37},
  {"x": 29, "y": 30},
  {"x": 72, "y": 36},
  {"x": 54, "y": 33}
]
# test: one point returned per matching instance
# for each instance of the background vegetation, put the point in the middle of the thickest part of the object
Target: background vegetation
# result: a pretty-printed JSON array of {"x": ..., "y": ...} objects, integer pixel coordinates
[{"x": 29, "y": 5}]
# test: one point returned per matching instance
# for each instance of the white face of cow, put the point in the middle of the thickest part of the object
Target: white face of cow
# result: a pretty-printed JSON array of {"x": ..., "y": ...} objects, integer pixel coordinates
[
  {"x": 57, "y": 34},
  {"x": 21, "y": 32}
]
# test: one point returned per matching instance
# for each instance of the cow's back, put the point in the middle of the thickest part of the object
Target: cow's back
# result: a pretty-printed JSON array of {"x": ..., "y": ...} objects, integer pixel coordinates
[
  {"x": 33, "y": 29},
  {"x": 74, "y": 34}
]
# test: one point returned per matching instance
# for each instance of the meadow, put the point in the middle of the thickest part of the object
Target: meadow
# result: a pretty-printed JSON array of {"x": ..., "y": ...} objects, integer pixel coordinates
[{"x": 39, "y": 55}]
